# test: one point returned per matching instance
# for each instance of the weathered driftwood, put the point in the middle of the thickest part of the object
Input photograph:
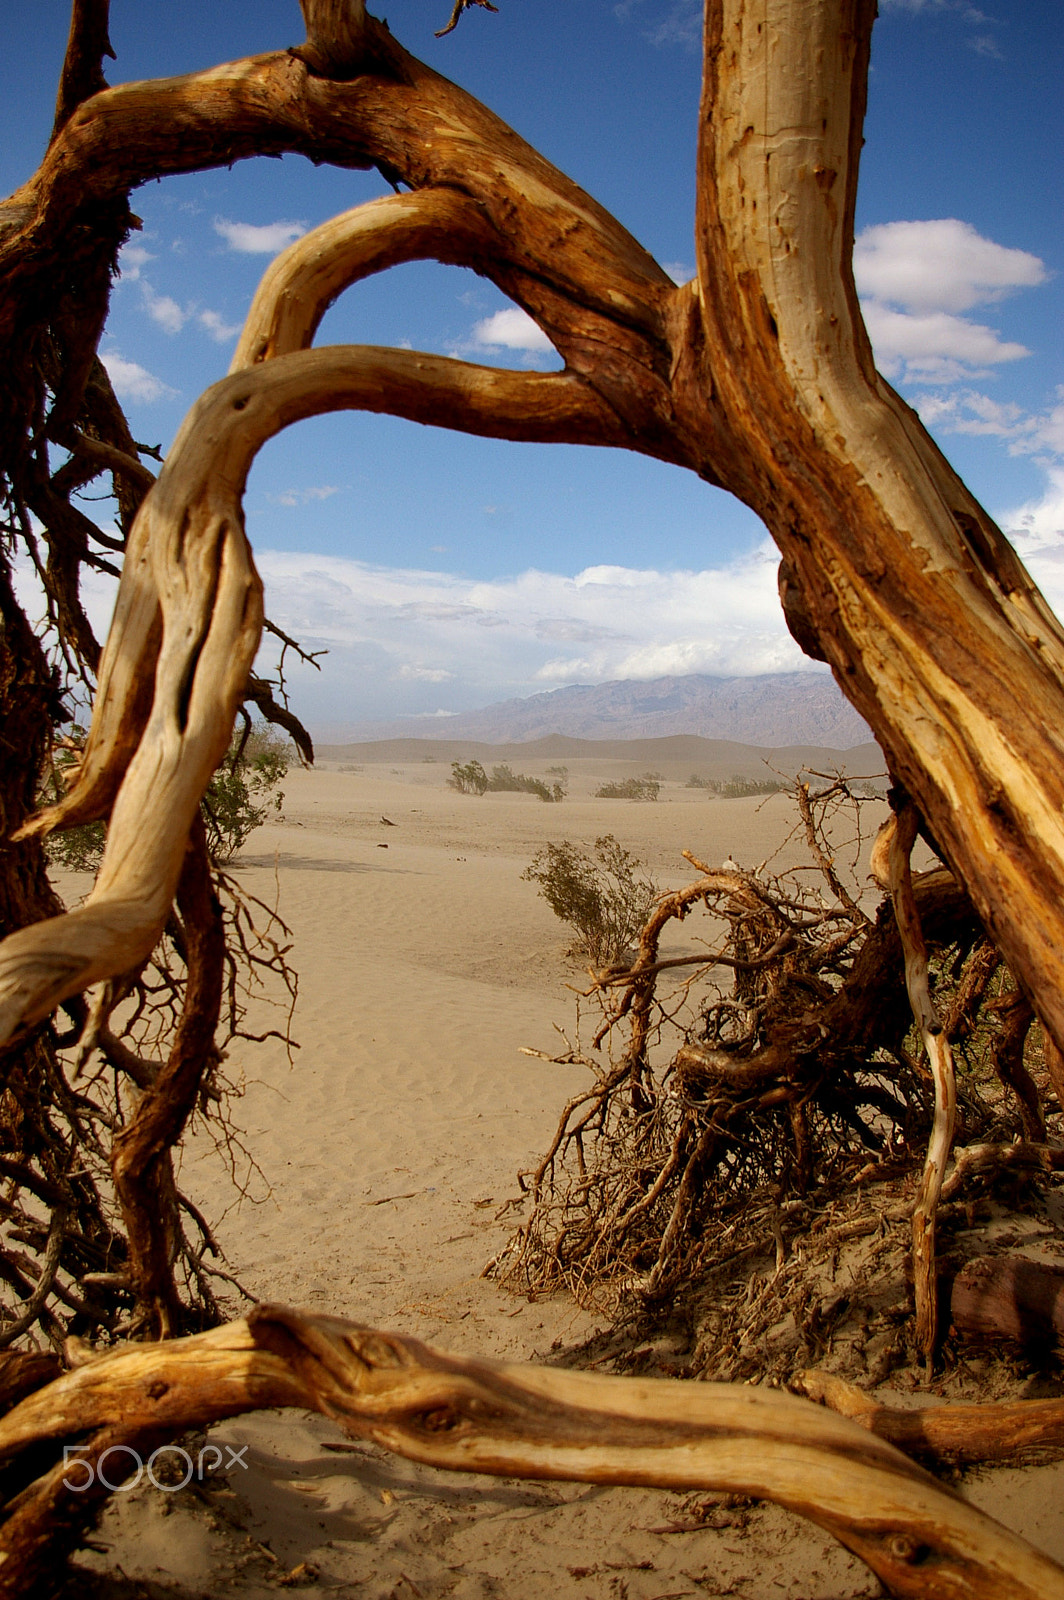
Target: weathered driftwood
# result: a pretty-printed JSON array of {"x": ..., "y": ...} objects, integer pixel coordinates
[
  {"x": 1025, "y": 1159},
  {"x": 953, "y": 1435},
  {"x": 1009, "y": 1297},
  {"x": 472, "y": 1415}
]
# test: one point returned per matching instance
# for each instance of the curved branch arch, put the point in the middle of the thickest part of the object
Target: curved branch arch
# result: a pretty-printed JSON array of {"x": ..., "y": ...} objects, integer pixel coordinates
[
  {"x": 188, "y": 623},
  {"x": 758, "y": 376}
]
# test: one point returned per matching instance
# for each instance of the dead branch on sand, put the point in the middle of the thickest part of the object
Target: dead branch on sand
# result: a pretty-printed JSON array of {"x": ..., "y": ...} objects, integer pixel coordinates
[{"x": 471, "y": 1415}]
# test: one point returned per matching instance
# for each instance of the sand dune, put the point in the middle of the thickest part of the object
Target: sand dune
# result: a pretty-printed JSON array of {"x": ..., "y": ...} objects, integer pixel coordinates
[{"x": 386, "y": 1153}]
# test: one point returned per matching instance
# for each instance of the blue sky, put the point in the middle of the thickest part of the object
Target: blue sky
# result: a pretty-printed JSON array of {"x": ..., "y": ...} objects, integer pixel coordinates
[{"x": 442, "y": 572}]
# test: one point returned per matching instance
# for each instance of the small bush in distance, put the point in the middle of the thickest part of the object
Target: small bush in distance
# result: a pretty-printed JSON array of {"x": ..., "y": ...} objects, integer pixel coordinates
[
  {"x": 504, "y": 780},
  {"x": 468, "y": 779},
  {"x": 602, "y": 896},
  {"x": 737, "y": 787},
  {"x": 645, "y": 788}
]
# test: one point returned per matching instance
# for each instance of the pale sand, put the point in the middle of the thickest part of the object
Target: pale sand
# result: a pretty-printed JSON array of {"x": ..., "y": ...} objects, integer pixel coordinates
[{"x": 386, "y": 1152}]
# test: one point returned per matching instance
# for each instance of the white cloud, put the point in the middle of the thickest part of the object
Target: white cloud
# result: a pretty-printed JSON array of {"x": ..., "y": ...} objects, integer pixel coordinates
[
  {"x": 163, "y": 310},
  {"x": 943, "y": 265},
  {"x": 172, "y": 317},
  {"x": 512, "y": 329},
  {"x": 1037, "y": 531},
  {"x": 984, "y": 44},
  {"x": 916, "y": 278},
  {"x": 264, "y": 239},
  {"x": 1038, "y": 525},
  {"x": 131, "y": 381},
  {"x": 934, "y": 347},
  {"x": 215, "y": 324},
  {"x": 388, "y": 626},
  {"x": 679, "y": 271},
  {"x": 969, "y": 411},
  {"x": 132, "y": 259},
  {"x": 425, "y": 674}
]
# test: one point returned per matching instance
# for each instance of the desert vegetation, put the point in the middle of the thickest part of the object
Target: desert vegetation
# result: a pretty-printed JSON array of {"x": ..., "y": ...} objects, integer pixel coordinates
[
  {"x": 242, "y": 793},
  {"x": 753, "y": 1107},
  {"x": 645, "y": 788},
  {"x": 602, "y": 894},
  {"x": 469, "y": 777},
  {"x": 736, "y": 787},
  {"x": 757, "y": 376}
]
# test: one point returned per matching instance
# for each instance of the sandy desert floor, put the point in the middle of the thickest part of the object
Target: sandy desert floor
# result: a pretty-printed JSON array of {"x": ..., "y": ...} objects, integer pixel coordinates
[{"x": 385, "y": 1153}]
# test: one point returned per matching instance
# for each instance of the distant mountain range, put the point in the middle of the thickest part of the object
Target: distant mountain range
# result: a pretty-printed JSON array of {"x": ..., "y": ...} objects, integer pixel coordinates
[{"x": 780, "y": 709}]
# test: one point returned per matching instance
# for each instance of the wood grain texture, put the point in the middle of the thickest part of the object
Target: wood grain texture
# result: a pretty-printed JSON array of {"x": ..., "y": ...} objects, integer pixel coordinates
[{"x": 473, "y": 1415}]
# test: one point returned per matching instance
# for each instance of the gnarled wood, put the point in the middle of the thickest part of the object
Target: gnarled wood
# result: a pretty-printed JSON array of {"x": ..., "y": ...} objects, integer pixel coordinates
[
  {"x": 473, "y": 1415},
  {"x": 758, "y": 376},
  {"x": 918, "y": 602},
  {"x": 301, "y": 283},
  {"x": 188, "y": 548}
]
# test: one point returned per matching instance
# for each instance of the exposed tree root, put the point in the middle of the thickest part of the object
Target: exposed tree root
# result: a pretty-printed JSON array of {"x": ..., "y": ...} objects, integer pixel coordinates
[{"x": 726, "y": 1125}]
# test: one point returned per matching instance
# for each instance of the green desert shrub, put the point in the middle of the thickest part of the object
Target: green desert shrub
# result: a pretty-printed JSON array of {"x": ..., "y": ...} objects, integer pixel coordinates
[
  {"x": 504, "y": 780},
  {"x": 244, "y": 793},
  {"x": 645, "y": 788},
  {"x": 737, "y": 787},
  {"x": 472, "y": 779},
  {"x": 603, "y": 896},
  {"x": 468, "y": 779},
  {"x": 78, "y": 848}
]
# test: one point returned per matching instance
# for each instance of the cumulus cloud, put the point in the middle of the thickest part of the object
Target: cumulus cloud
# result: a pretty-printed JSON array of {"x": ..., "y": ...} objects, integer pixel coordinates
[
  {"x": 934, "y": 347},
  {"x": 1036, "y": 528},
  {"x": 163, "y": 310},
  {"x": 167, "y": 314},
  {"x": 264, "y": 239},
  {"x": 917, "y": 278},
  {"x": 215, "y": 324},
  {"x": 487, "y": 639},
  {"x": 1039, "y": 434},
  {"x": 939, "y": 266},
  {"x": 131, "y": 381},
  {"x": 512, "y": 329},
  {"x": 132, "y": 259}
]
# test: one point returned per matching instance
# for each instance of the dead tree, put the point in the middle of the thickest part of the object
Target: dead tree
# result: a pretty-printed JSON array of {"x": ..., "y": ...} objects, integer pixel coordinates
[{"x": 758, "y": 376}]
